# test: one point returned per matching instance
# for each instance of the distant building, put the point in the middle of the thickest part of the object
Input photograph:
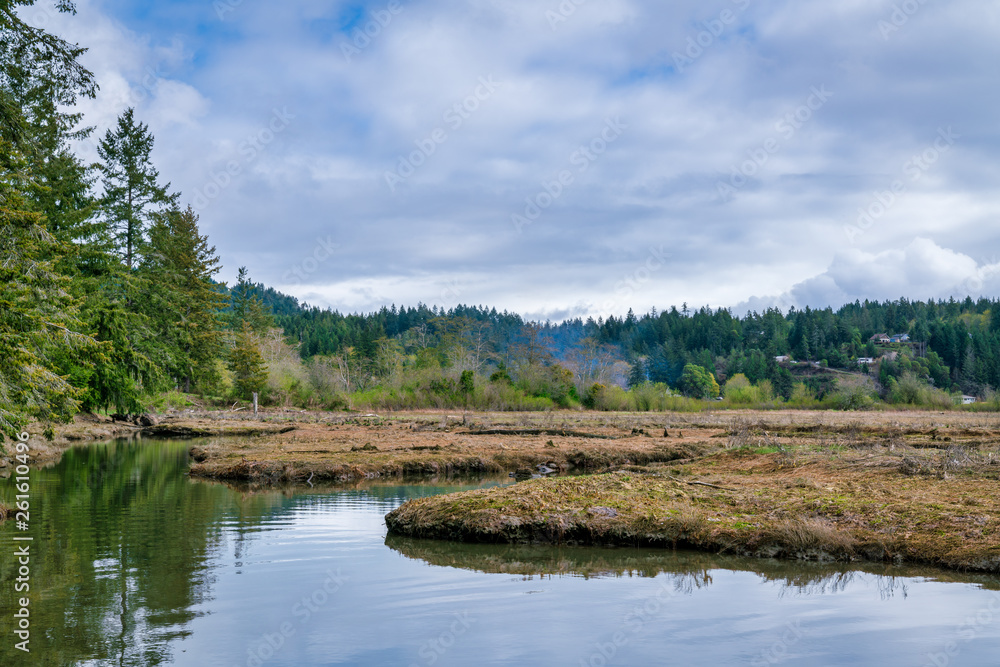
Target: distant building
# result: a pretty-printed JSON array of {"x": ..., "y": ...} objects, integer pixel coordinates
[
  {"x": 899, "y": 338},
  {"x": 782, "y": 359},
  {"x": 968, "y": 400},
  {"x": 880, "y": 338},
  {"x": 865, "y": 360}
]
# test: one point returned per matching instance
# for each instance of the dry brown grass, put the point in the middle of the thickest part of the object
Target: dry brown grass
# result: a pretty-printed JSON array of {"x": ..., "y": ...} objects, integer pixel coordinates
[
  {"x": 813, "y": 537},
  {"x": 822, "y": 486}
]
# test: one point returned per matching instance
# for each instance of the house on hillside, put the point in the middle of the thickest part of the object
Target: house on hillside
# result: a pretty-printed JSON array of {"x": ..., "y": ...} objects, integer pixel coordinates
[
  {"x": 880, "y": 338},
  {"x": 968, "y": 400},
  {"x": 782, "y": 359},
  {"x": 899, "y": 338},
  {"x": 865, "y": 360}
]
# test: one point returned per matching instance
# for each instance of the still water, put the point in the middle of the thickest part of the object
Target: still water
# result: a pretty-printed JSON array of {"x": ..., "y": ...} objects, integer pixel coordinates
[{"x": 133, "y": 563}]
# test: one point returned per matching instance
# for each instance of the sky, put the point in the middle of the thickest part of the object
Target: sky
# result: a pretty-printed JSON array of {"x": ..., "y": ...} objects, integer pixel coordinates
[{"x": 570, "y": 158}]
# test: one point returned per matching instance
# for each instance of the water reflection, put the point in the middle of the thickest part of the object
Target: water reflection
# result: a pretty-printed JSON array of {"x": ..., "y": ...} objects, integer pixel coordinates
[
  {"x": 693, "y": 567},
  {"x": 122, "y": 542},
  {"x": 134, "y": 563}
]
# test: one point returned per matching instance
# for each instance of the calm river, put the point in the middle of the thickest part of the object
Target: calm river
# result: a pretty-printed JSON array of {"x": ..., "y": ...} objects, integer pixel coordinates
[{"x": 133, "y": 563}]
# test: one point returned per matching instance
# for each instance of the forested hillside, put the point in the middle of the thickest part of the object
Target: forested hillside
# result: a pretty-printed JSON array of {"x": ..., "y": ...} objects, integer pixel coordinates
[{"x": 951, "y": 345}]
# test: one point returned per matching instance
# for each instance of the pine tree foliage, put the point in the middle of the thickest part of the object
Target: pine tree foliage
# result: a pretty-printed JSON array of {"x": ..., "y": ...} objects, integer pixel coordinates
[
  {"x": 30, "y": 57},
  {"x": 247, "y": 306},
  {"x": 132, "y": 193},
  {"x": 186, "y": 303},
  {"x": 247, "y": 364},
  {"x": 37, "y": 314}
]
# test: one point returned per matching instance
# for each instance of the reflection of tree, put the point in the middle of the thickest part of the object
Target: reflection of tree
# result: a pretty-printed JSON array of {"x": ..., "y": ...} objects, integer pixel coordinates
[
  {"x": 122, "y": 538},
  {"x": 690, "y": 570}
]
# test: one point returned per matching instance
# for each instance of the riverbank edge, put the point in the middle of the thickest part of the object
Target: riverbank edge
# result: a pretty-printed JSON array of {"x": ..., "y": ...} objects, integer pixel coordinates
[
  {"x": 90, "y": 428},
  {"x": 625, "y": 509}
]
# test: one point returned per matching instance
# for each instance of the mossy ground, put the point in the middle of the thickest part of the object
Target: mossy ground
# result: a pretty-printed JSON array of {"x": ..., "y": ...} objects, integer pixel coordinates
[{"x": 868, "y": 489}]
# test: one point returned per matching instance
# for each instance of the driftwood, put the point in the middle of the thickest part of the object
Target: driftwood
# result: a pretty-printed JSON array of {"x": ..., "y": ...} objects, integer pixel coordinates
[
  {"x": 545, "y": 431},
  {"x": 711, "y": 486}
]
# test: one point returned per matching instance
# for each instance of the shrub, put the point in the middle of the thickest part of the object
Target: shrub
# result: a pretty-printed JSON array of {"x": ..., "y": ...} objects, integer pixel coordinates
[
  {"x": 698, "y": 382},
  {"x": 739, "y": 391},
  {"x": 853, "y": 397},
  {"x": 911, "y": 390}
]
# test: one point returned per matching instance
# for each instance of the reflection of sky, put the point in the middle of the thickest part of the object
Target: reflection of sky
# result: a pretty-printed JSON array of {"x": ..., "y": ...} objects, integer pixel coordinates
[
  {"x": 446, "y": 235},
  {"x": 392, "y": 607}
]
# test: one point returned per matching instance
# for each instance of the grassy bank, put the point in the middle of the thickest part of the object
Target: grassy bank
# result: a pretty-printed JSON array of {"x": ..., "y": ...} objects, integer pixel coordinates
[{"x": 876, "y": 492}]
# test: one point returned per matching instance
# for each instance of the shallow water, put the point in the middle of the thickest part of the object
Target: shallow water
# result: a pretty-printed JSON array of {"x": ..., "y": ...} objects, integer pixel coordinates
[{"x": 133, "y": 563}]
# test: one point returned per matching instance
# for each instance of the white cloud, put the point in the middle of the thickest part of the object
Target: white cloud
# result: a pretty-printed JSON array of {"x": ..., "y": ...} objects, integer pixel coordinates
[
  {"x": 218, "y": 82},
  {"x": 921, "y": 270}
]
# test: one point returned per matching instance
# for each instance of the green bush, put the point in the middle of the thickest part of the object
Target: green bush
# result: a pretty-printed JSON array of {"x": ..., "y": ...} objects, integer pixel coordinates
[
  {"x": 911, "y": 390},
  {"x": 697, "y": 382},
  {"x": 853, "y": 397}
]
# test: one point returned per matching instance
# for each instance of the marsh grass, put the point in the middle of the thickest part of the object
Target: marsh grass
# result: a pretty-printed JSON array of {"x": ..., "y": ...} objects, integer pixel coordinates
[{"x": 813, "y": 536}]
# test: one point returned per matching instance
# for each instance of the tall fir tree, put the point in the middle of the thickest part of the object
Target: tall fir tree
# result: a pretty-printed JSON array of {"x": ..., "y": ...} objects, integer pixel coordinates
[
  {"x": 38, "y": 316},
  {"x": 249, "y": 321},
  {"x": 247, "y": 306},
  {"x": 247, "y": 364},
  {"x": 184, "y": 302},
  {"x": 132, "y": 193}
]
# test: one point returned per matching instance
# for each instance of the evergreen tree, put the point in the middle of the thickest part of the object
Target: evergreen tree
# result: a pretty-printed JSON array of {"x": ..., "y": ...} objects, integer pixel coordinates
[
  {"x": 131, "y": 191},
  {"x": 247, "y": 365},
  {"x": 247, "y": 306},
  {"x": 637, "y": 373},
  {"x": 184, "y": 303},
  {"x": 38, "y": 319},
  {"x": 37, "y": 315},
  {"x": 31, "y": 58}
]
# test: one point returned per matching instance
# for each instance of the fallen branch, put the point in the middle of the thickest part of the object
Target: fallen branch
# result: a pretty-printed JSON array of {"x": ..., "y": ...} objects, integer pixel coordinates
[
  {"x": 544, "y": 431},
  {"x": 712, "y": 486}
]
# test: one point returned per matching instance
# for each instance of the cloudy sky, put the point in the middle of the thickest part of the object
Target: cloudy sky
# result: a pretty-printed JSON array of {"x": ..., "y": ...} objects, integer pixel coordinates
[{"x": 571, "y": 158}]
